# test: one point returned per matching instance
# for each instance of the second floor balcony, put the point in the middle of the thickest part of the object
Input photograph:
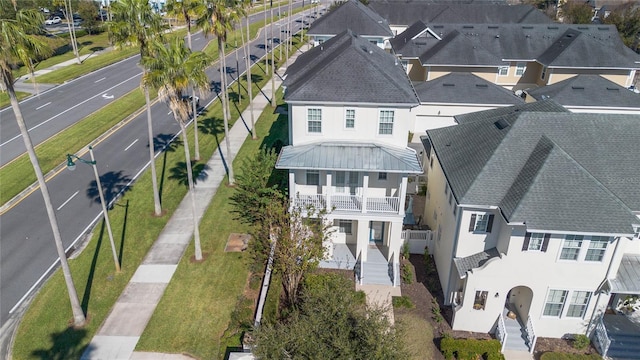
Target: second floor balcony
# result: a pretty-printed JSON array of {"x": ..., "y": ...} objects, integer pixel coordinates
[{"x": 350, "y": 203}]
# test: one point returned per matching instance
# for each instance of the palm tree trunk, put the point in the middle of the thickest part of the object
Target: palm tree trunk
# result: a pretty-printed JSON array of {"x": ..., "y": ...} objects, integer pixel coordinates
[
  {"x": 78, "y": 314},
  {"x": 74, "y": 44},
  {"x": 225, "y": 107},
  {"x": 194, "y": 109},
  {"x": 152, "y": 158},
  {"x": 266, "y": 53},
  {"x": 187, "y": 158},
  {"x": 254, "y": 135}
]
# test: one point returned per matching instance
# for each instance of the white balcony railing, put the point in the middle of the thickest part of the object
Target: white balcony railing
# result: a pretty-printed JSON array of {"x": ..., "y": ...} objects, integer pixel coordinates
[
  {"x": 304, "y": 201},
  {"x": 346, "y": 202},
  {"x": 383, "y": 204},
  {"x": 387, "y": 204}
]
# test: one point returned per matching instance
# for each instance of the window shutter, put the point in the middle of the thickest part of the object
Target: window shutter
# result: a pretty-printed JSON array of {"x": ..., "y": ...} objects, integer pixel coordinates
[
  {"x": 527, "y": 238},
  {"x": 545, "y": 243},
  {"x": 490, "y": 223},
  {"x": 472, "y": 224}
]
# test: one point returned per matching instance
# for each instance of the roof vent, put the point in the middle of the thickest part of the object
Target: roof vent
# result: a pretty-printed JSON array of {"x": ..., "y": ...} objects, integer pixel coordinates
[
  {"x": 438, "y": 26},
  {"x": 448, "y": 84},
  {"x": 528, "y": 36},
  {"x": 569, "y": 35},
  {"x": 467, "y": 26},
  {"x": 552, "y": 27},
  {"x": 493, "y": 27},
  {"x": 527, "y": 27},
  {"x": 603, "y": 28},
  {"x": 482, "y": 86},
  {"x": 501, "y": 124},
  {"x": 497, "y": 36},
  {"x": 577, "y": 87},
  {"x": 583, "y": 28},
  {"x": 321, "y": 47},
  {"x": 613, "y": 89}
]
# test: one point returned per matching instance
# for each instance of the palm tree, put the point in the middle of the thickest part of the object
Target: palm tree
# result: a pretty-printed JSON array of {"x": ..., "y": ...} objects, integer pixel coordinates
[
  {"x": 186, "y": 10},
  {"x": 136, "y": 24},
  {"x": 247, "y": 56},
  {"x": 172, "y": 70},
  {"x": 217, "y": 18},
  {"x": 17, "y": 44}
]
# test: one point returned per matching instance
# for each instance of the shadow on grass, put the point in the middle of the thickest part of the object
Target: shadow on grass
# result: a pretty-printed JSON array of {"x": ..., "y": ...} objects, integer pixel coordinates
[
  {"x": 163, "y": 142},
  {"x": 114, "y": 183},
  {"x": 97, "y": 48},
  {"x": 87, "y": 289},
  {"x": 86, "y": 43},
  {"x": 66, "y": 345},
  {"x": 124, "y": 231},
  {"x": 214, "y": 126},
  {"x": 179, "y": 172}
]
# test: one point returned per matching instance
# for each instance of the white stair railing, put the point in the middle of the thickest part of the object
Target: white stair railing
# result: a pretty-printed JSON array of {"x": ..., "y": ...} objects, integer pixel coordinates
[
  {"x": 501, "y": 332},
  {"x": 358, "y": 269},
  {"x": 392, "y": 270},
  {"x": 531, "y": 335},
  {"x": 602, "y": 339}
]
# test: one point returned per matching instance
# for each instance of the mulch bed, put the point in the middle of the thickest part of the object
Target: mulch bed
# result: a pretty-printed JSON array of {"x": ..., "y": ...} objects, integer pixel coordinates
[{"x": 426, "y": 294}]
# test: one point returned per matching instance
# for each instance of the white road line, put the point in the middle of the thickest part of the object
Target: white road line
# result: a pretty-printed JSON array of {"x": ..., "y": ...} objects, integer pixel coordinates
[
  {"x": 130, "y": 145},
  {"x": 71, "y": 108},
  {"x": 196, "y": 39},
  {"x": 69, "y": 199},
  {"x": 97, "y": 81},
  {"x": 41, "y": 106}
]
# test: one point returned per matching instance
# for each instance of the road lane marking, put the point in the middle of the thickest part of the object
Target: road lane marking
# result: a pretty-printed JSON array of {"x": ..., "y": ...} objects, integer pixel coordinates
[
  {"x": 41, "y": 106},
  {"x": 69, "y": 109},
  {"x": 108, "y": 97},
  {"x": 97, "y": 81},
  {"x": 196, "y": 39},
  {"x": 69, "y": 199},
  {"x": 130, "y": 145}
]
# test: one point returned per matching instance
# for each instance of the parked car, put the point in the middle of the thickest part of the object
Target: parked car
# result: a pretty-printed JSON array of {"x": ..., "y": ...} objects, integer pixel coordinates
[{"x": 53, "y": 20}]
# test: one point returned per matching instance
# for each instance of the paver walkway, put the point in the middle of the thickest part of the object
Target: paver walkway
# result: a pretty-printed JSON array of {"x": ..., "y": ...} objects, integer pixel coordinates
[{"x": 121, "y": 330}]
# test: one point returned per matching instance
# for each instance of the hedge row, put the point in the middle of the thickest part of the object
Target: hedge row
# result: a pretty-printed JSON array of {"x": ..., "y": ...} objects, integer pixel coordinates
[{"x": 470, "y": 349}]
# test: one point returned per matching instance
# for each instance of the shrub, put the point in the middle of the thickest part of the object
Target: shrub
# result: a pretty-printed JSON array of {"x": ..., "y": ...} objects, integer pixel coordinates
[
  {"x": 581, "y": 341},
  {"x": 435, "y": 309},
  {"x": 567, "y": 356},
  {"x": 401, "y": 301},
  {"x": 470, "y": 349},
  {"x": 405, "y": 250},
  {"x": 407, "y": 274}
]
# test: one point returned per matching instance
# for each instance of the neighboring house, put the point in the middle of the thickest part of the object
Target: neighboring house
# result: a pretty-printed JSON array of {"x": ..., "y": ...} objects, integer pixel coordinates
[
  {"x": 536, "y": 222},
  {"x": 589, "y": 93},
  {"x": 402, "y": 14},
  {"x": 455, "y": 94},
  {"x": 355, "y": 16},
  {"x": 349, "y": 105},
  {"x": 516, "y": 56}
]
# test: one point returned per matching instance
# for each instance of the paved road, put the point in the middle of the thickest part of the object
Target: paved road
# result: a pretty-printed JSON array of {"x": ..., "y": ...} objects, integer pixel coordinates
[
  {"x": 28, "y": 253},
  {"x": 57, "y": 108}
]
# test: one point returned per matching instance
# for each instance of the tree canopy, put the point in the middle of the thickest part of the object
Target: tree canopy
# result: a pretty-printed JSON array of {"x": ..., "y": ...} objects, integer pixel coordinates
[
  {"x": 626, "y": 19},
  {"x": 576, "y": 12}
]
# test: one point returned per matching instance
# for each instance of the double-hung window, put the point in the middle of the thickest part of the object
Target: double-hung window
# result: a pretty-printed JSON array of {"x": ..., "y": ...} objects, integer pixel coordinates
[
  {"x": 503, "y": 71},
  {"x": 481, "y": 223},
  {"x": 385, "y": 124},
  {"x": 382, "y": 176},
  {"x": 578, "y": 304},
  {"x": 314, "y": 120},
  {"x": 571, "y": 247},
  {"x": 535, "y": 242},
  {"x": 555, "y": 302},
  {"x": 520, "y": 68},
  {"x": 313, "y": 177},
  {"x": 345, "y": 227},
  {"x": 350, "y": 119},
  {"x": 597, "y": 248}
]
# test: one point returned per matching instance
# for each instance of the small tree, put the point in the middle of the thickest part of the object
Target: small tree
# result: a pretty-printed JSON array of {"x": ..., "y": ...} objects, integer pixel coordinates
[
  {"x": 626, "y": 19},
  {"x": 331, "y": 322},
  {"x": 577, "y": 12},
  {"x": 298, "y": 236},
  {"x": 87, "y": 9}
]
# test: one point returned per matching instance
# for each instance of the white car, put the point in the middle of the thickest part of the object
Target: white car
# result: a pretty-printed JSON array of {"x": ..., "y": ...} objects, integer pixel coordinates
[{"x": 53, "y": 20}]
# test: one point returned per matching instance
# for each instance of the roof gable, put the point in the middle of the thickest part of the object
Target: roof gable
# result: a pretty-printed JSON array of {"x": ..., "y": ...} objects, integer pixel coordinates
[{"x": 353, "y": 15}]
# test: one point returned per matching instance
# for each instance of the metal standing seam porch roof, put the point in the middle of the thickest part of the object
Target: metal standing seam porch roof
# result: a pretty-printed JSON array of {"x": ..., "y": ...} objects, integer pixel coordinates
[
  {"x": 349, "y": 156},
  {"x": 627, "y": 280}
]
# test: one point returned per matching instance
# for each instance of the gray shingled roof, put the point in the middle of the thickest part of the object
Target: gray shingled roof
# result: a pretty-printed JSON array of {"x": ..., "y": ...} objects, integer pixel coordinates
[
  {"x": 348, "y": 69},
  {"x": 408, "y": 12},
  {"x": 627, "y": 280},
  {"x": 511, "y": 112},
  {"x": 349, "y": 156},
  {"x": 474, "y": 261},
  {"x": 556, "y": 45},
  {"x": 553, "y": 171},
  {"x": 353, "y": 15},
  {"x": 587, "y": 90},
  {"x": 464, "y": 88}
]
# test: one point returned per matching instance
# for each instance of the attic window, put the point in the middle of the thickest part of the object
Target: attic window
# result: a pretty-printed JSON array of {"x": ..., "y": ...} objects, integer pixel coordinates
[
  {"x": 577, "y": 87},
  {"x": 482, "y": 86},
  {"x": 501, "y": 124},
  {"x": 446, "y": 84}
]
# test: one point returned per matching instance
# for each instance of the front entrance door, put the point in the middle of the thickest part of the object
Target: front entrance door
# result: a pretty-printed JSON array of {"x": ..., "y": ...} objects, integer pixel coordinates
[
  {"x": 347, "y": 182},
  {"x": 376, "y": 235}
]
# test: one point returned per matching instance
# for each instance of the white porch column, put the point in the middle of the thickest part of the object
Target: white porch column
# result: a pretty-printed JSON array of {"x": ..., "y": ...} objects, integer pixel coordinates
[
  {"x": 395, "y": 239},
  {"x": 328, "y": 192},
  {"x": 403, "y": 194},
  {"x": 362, "y": 241},
  {"x": 365, "y": 188},
  {"x": 292, "y": 186}
]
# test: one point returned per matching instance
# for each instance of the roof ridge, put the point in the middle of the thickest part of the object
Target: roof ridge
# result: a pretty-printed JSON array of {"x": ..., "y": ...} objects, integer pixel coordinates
[{"x": 371, "y": 14}]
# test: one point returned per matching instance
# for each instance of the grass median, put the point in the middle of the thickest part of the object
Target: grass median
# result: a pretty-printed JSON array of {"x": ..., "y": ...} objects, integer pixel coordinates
[{"x": 45, "y": 332}]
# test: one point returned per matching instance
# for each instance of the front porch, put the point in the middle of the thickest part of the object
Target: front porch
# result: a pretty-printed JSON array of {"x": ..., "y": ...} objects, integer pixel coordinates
[{"x": 378, "y": 269}]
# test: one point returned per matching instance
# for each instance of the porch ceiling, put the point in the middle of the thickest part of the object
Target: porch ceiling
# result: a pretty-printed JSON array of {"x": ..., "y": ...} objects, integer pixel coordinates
[
  {"x": 627, "y": 280},
  {"x": 349, "y": 156}
]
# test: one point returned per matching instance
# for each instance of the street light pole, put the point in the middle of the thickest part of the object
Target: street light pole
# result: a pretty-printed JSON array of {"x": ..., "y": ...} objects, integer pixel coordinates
[
  {"x": 238, "y": 72},
  {"x": 71, "y": 166}
]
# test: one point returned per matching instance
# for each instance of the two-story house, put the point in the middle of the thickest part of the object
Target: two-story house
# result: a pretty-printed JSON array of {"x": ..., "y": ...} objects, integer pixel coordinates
[
  {"x": 536, "y": 222},
  {"x": 355, "y": 16},
  {"x": 516, "y": 56},
  {"x": 349, "y": 105}
]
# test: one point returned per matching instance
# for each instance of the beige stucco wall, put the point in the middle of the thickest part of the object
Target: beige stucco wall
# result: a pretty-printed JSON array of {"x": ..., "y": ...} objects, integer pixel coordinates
[{"x": 620, "y": 77}]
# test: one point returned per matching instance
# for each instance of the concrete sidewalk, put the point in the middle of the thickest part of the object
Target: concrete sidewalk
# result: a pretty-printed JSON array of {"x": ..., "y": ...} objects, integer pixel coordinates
[{"x": 121, "y": 330}]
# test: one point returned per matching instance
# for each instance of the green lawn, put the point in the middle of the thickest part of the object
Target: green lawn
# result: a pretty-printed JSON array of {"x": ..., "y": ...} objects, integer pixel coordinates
[
  {"x": 4, "y": 98},
  {"x": 44, "y": 332}
]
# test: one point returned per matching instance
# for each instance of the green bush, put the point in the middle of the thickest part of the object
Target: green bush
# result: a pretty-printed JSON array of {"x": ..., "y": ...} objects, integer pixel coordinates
[
  {"x": 405, "y": 250},
  {"x": 407, "y": 274},
  {"x": 470, "y": 349},
  {"x": 567, "y": 356},
  {"x": 401, "y": 301},
  {"x": 581, "y": 341}
]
